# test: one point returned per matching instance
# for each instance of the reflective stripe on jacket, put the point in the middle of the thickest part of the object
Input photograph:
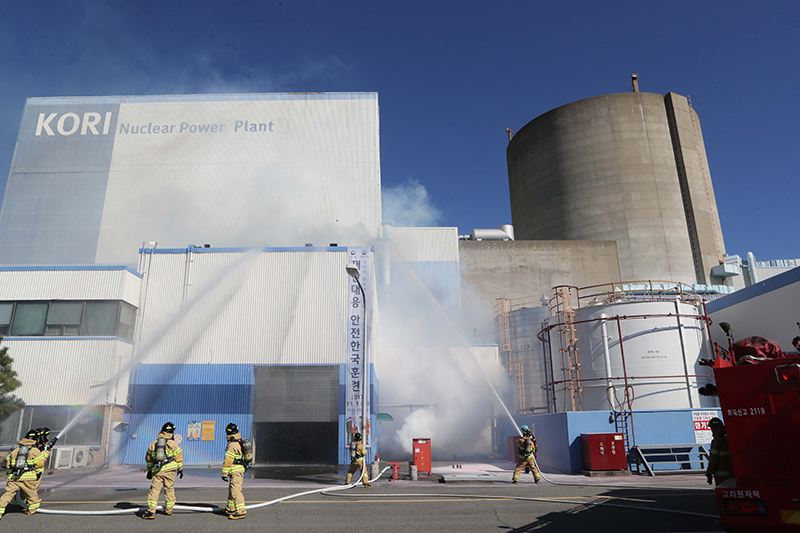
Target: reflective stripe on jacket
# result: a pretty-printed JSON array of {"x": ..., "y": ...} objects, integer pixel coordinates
[
  {"x": 719, "y": 457},
  {"x": 172, "y": 451},
  {"x": 233, "y": 456},
  {"x": 34, "y": 462}
]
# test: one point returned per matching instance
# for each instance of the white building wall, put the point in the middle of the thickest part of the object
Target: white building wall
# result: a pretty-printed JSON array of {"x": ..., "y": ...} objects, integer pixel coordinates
[
  {"x": 72, "y": 371},
  {"x": 424, "y": 244},
  {"x": 770, "y": 309},
  {"x": 273, "y": 307},
  {"x": 77, "y": 283}
]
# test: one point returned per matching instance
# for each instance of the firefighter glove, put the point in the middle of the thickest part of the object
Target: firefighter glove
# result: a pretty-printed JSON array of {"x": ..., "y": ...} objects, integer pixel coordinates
[
  {"x": 709, "y": 478},
  {"x": 149, "y": 474},
  {"x": 180, "y": 474},
  {"x": 224, "y": 477}
]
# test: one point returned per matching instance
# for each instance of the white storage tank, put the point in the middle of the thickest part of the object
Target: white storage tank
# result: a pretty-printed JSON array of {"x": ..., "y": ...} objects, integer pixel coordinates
[{"x": 660, "y": 351}]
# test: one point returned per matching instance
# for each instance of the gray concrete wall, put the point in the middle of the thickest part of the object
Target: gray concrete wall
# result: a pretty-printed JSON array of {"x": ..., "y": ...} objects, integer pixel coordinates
[
  {"x": 694, "y": 176},
  {"x": 525, "y": 270},
  {"x": 604, "y": 168}
]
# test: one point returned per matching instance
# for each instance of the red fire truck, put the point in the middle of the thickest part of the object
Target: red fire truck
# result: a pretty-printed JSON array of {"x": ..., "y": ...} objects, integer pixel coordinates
[{"x": 761, "y": 407}]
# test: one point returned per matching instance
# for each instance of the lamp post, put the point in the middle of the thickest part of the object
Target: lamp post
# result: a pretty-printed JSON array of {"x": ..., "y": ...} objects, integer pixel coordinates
[{"x": 353, "y": 272}]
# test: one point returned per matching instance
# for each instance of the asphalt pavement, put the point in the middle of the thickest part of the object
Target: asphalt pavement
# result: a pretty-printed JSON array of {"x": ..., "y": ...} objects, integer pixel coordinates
[{"x": 476, "y": 497}]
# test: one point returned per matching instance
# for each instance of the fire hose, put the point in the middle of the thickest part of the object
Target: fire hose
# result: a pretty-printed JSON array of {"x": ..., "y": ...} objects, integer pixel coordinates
[{"x": 205, "y": 509}]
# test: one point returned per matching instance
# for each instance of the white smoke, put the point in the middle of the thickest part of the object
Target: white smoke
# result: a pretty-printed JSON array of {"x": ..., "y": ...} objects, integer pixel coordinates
[
  {"x": 427, "y": 367},
  {"x": 408, "y": 205}
]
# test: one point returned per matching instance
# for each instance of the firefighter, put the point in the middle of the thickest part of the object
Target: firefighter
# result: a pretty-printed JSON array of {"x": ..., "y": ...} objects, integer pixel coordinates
[
  {"x": 719, "y": 457},
  {"x": 233, "y": 471},
  {"x": 164, "y": 458},
  {"x": 44, "y": 444},
  {"x": 22, "y": 463},
  {"x": 357, "y": 461},
  {"x": 527, "y": 454}
]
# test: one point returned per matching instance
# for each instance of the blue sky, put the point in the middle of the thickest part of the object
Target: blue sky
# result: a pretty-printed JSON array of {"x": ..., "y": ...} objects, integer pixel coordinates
[{"x": 451, "y": 77}]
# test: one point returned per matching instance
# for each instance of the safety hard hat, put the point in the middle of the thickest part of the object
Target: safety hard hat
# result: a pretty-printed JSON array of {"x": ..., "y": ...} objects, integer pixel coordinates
[
  {"x": 525, "y": 428},
  {"x": 32, "y": 434},
  {"x": 231, "y": 429},
  {"x": 169, "y": 427},
  {"x": 715, "y": 423},
  {"x": 356, "y": 436}
]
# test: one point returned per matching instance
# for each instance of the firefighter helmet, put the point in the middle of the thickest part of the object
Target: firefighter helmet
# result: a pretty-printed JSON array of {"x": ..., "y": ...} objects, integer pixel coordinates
[
  {"x": 32, "y": 434},
  {"x": 527, "y": 433},
  {"x": 715, "y": 423},
  {"x": 356, "y": 436},
  {"x": 169, "y": 427},
  {"x": 231, "y": 429}
]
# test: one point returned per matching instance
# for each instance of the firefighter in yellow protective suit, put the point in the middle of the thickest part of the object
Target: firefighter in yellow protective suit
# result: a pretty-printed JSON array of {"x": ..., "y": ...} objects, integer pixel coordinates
[
  {"x": 719, "y": 457},
  {"x": 527, "y": 453},
  {"x": 164, "y": 458},
  {"x": 357, "y": 461},
  {"x": 44, "y": 444},
  {"x": 233, "y": 471},
  {"x": 21, "y": 465}
]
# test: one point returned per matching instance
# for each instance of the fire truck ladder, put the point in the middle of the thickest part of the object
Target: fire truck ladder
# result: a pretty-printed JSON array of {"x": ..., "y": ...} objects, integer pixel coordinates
[
  {"x": 564, "y": 311},
  {"x": 514, "y": 369}
]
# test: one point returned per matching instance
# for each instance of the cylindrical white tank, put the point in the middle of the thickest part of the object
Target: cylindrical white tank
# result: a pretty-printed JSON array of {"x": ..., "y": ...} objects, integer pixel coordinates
[{"x": 660, "y": 351}]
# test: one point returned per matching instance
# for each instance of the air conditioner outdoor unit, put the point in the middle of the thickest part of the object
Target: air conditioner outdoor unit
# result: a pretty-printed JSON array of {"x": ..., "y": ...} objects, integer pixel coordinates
[
  {"x": 80, "y": 457},
  {"x": 61, "y": 457}
]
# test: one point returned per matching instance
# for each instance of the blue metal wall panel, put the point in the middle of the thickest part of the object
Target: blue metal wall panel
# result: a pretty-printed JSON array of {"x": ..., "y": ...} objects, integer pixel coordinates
[
  {"x": 222, "y": 393},
  {"x": 183, "y": 393},
  {"x": 559, "y": 434}
]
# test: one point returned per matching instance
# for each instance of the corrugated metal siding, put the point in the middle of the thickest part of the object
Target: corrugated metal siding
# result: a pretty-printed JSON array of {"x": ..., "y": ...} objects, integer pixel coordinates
[
  {"x": 69, "y": 285},
  {"x": 270, "y": 308},
  {"x": 222, "y": 393},
  {"x": 296, "y": 394},
  {"x": 424, "y": 244},
  {"x": 57, "y": 371}
]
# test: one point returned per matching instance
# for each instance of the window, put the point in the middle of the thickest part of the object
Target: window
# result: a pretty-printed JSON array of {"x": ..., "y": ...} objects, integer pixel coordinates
[
  {"x": 87, "y": 431},
  {"x": 6, "y": 309},
  {"x": 64, "y": 318},
  {"x": 29, "y": 318},
  {"x": 127, "y": 320},
  {"x": 100, "y": 319}
]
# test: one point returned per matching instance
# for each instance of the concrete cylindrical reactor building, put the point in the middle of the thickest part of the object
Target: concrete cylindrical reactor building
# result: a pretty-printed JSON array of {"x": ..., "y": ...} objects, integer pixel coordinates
[{"x": 628, "y": 167}]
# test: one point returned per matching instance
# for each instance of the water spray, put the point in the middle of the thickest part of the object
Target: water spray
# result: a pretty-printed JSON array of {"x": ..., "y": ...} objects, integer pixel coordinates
[{"x": 236, "y": 268}]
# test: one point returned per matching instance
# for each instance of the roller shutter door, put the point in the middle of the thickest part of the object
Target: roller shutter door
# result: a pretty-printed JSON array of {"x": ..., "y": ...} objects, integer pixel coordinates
[{"x": 296, "y": 394}]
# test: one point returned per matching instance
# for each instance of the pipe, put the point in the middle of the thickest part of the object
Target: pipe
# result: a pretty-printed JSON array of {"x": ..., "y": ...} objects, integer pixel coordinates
[
  {"x": 683, "y": 351},
  {"x": 751, "y": 268},
  {"x": 609, "y": 384}
]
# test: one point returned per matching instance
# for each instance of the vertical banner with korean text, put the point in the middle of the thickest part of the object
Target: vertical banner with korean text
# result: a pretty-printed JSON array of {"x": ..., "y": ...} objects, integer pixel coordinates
[{"x": 357, "y": 337}]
